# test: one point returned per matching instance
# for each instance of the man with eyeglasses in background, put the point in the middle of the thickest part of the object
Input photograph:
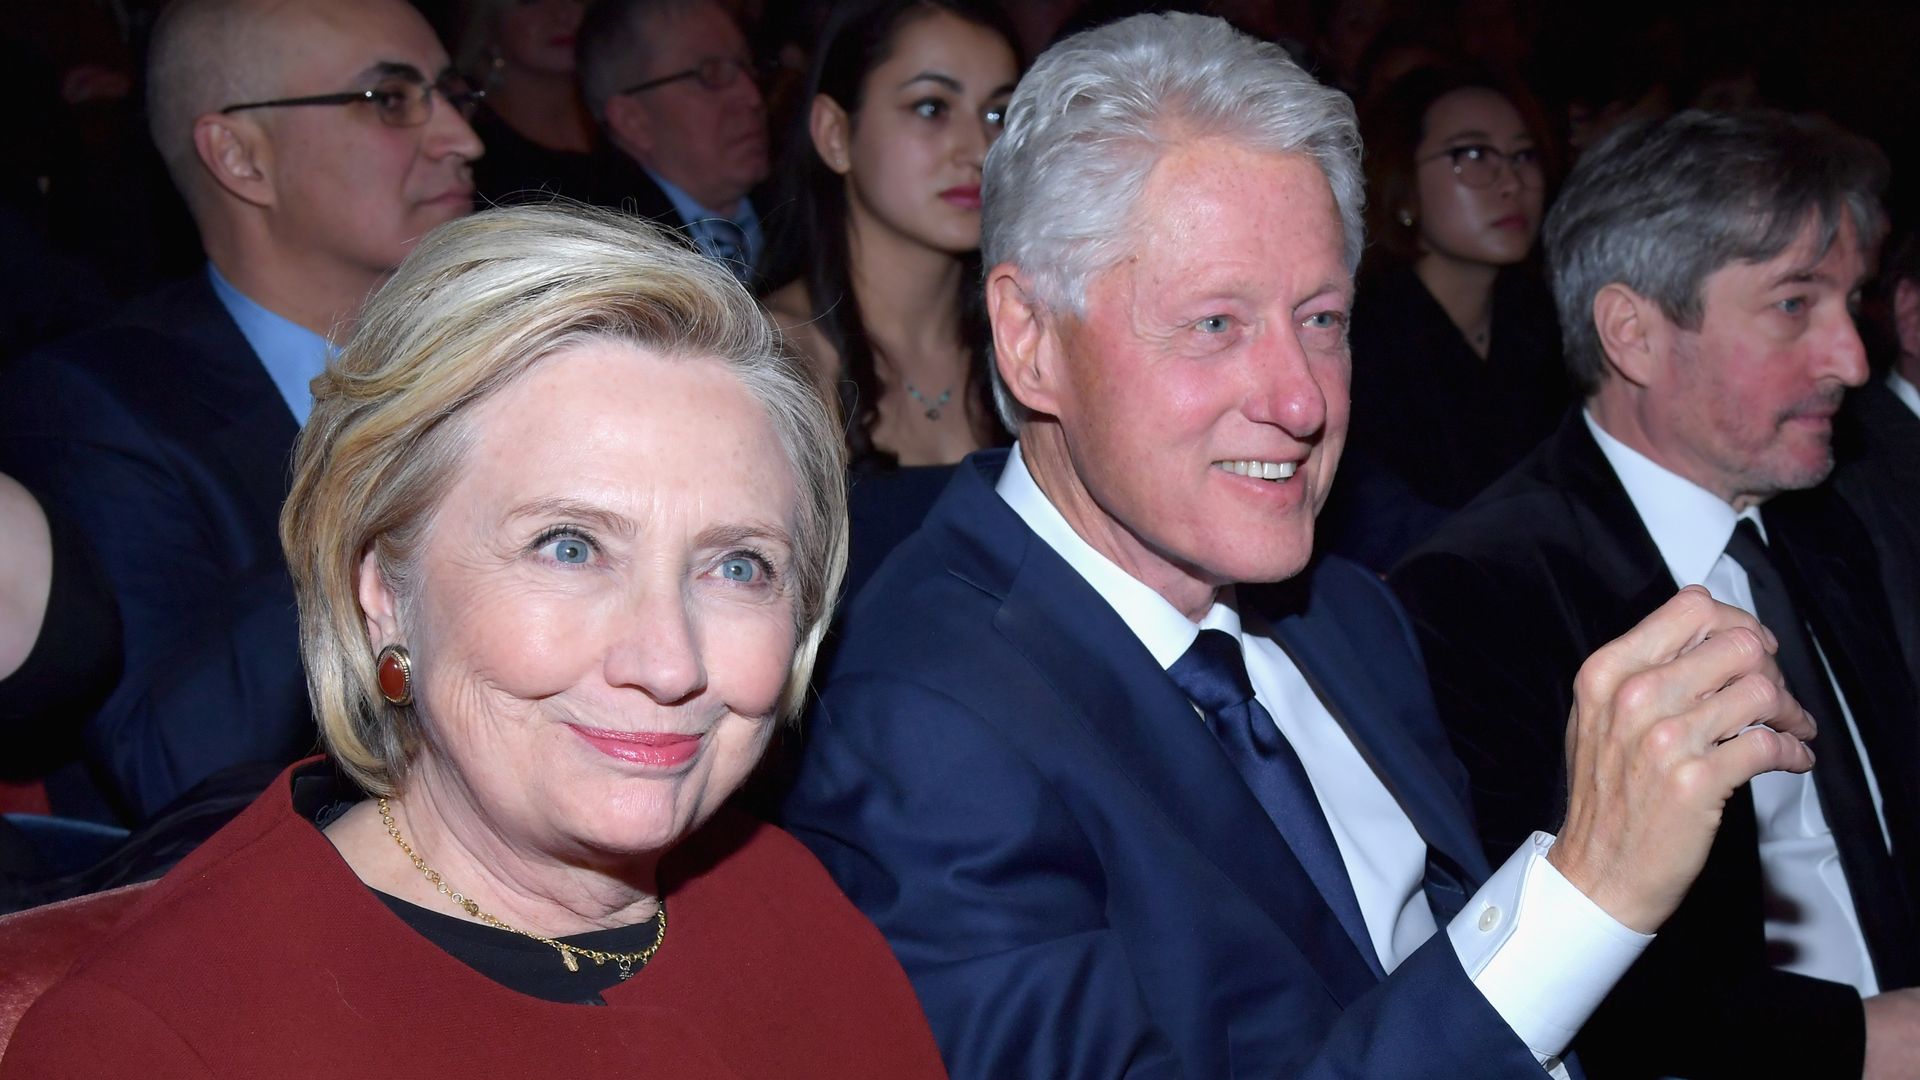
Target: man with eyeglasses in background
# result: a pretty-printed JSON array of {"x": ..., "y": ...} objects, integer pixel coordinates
[
  {"x": 676, "y": 92},
  {"x": 314, "y": 141}
]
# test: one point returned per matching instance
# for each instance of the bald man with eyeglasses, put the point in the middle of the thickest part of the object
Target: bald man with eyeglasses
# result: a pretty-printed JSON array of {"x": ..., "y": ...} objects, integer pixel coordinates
[{"x": 314, "y": 141}]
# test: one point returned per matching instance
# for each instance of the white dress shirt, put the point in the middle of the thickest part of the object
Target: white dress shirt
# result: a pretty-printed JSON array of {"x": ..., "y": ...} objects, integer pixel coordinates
[
  {"x": 1541, "y": 953},
  {"x": 1813, "y": 921},
  {"x": 1904, "y": 390}
]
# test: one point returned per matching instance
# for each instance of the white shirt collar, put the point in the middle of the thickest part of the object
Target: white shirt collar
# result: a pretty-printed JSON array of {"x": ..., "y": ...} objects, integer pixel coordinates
[
  {"x": 1904, "y": 390},
  {"x": 1165, "y": 632},
  {"x": 1690, "y": 525}
]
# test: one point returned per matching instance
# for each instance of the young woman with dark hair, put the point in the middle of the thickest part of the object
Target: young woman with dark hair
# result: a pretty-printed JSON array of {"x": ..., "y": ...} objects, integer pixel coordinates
[{"x": 875, "y": 247}]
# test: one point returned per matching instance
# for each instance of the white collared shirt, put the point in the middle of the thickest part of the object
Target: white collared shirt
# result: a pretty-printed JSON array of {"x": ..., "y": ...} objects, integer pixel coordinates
[
  {"x": 1814, "y": 922},
  {"x": 1904, "y": 390},
  {"x": 1541, "y": 953}
]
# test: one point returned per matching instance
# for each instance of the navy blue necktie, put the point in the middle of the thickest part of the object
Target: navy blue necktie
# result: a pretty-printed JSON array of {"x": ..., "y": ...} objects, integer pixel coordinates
[
  {"x": 1213, "y": 675},
  {"x": 727, "y": 242}
]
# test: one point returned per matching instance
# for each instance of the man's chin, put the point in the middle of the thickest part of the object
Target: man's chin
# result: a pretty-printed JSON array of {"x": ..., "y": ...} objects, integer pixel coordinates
[{"x": 1262, "y": 564}]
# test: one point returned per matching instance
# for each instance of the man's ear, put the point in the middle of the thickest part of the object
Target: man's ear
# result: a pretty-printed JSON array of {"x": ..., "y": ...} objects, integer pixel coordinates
[
  {"x": 629, "y": 126},
  {"x": 1026, "y": 342},
  {"x": 237, "y": 153},
  {"x": 832, "y": 134},
  {"x": 1634, "y": 333},
  {"x": 1906, "y": 316},
  {"x": 378, "y": 603}
]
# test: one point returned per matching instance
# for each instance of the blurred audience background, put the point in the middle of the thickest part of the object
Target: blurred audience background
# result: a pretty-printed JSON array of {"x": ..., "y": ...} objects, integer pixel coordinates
[{"x": 780, "y": 139}]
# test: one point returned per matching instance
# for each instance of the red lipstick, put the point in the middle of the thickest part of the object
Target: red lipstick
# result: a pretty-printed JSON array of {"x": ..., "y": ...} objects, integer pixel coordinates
[
  {"x": 965, "y": 196},
  {"x": 659, "y": 749}
]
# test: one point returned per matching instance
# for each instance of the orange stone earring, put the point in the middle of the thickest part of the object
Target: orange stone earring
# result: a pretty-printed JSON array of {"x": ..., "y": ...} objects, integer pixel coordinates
[{"x": 395, "y": 671}]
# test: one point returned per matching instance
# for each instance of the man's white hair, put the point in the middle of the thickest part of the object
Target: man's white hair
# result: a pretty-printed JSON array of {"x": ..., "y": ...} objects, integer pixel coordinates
[{"x": 1098, "y": 110}]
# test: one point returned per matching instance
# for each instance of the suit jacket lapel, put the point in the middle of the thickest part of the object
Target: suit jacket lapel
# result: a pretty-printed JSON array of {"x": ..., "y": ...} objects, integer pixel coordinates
[
  {"x": 1111, "y": 684},
  {"x": 1127, "y": 703},
  {"x": 256, "y": 431},
  {"x": 1380, "y": 726},
  {"x": 1620, "y": 549},
  {"x": 1820, "y": 540}
]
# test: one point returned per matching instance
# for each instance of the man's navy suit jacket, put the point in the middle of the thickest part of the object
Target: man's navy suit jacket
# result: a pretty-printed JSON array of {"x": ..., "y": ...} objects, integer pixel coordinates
[
  {"x": 1066, "y": 863},
  {"x": 161, "y": 436}
]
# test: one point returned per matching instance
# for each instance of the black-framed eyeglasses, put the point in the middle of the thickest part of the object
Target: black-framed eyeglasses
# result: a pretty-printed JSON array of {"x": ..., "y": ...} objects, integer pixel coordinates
[
  {"x": 398, "y": 101},
  {"x": 714, "y": 72},
  {"x": 1478, "y": 165}
]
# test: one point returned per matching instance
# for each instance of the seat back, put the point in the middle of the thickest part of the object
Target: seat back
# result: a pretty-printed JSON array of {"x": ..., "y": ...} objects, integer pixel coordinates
[{"x": 38, "y": 945}]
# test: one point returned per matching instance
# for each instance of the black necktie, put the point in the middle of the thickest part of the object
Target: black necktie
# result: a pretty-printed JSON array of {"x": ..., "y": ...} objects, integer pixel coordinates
[
  {"x": 1838, "y": 774},
  {"x": 1213, "y": 675}
]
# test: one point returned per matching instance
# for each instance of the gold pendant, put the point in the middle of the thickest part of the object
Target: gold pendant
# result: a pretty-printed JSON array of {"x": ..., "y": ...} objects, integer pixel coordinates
[{"x": 566, "y": 957}]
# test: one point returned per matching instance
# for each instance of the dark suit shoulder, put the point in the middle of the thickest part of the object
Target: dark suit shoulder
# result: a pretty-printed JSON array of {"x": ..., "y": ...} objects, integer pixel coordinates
[
  {"x": 1338, "y": 592},
  {"x": 1875, "y": 421},
  {"x": 909, "y": 612},
  {"x": 1559, "y": 520},
  {"x": 154, "y": 353}
]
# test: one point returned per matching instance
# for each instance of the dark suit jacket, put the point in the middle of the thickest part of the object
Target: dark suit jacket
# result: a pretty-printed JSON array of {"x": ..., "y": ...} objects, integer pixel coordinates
[
  {"x": 161, "y": 437},
  {"x": 1878, "y": 446},
  {"x": 619, "y": 183},
  {"x": 1509, "y": 598},
  {"x": 1071, "y": 871}
]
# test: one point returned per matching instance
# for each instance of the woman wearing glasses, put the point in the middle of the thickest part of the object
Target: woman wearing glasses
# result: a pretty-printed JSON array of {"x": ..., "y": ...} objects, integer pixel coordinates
[
  {"x": 1456, "y": 356},
  {"x": 877, "y": 267}
]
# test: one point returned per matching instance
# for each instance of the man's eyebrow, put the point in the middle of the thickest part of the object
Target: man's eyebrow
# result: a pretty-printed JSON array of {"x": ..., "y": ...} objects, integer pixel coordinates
[
  {"x": 392, "y": 69},
  {"x": 947, "y": 81},
  {"x": 574, "y": 510},
  {"x": 1341, "y": 287},
  {"x": 1486, "y": 136},
  {"x": 1801, "y": 275}
]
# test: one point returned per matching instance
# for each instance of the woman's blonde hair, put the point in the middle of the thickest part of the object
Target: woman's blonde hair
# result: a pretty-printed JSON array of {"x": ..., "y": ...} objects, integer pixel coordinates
[{"x": 476, "y": 305}]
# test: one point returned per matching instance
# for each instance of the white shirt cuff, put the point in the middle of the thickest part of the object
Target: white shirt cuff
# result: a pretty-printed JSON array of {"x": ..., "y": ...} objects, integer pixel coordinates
[{"x": 1541, "y": 952}]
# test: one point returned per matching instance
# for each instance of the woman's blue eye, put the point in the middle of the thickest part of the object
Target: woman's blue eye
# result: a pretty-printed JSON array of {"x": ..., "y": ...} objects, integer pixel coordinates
[
  {"x": 1214, "y": 324},
  {"x": 571, "y": 550},
  {"x": 741, "y": 569}
]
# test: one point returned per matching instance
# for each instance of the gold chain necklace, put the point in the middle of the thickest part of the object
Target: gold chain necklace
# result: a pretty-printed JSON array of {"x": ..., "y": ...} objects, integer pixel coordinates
[{"x": 625, "y": 961}]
